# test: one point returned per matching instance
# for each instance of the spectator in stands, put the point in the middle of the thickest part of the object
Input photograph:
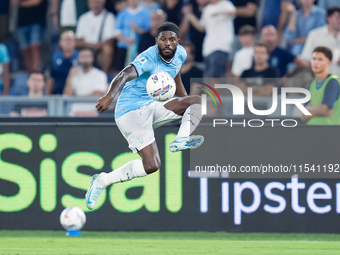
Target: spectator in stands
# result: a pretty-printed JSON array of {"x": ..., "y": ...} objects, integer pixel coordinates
[
  {"x": 324, "y": 104},
  {"x": 217, "y": 22},
  {"x": 325, "y": 4},
  {"x": 189, "y": 70},
  {"x": 19, "y": 84},
  {"x": 301, "y": 22},
  {"x": 187, "y": 29},
  {"x": 95, "y": 30},
  {"x": 85, "y": 79},
  {"x": 31, "y": 26},
  {"x": 131, "y": 23},
  {"x": 150, "y": 5},
  {"x": 328, "y": 36},
  {"x": 280, "y": 58},
  {"x": 65, "y": 13},
  {"x": 172, "y": 8},
  {"x": 147, "y": 39},
  {"x": 120, "y": 5},
  {"x": 245, "y": 15},
  {"x": 35, "y": 84},
  {"x": 4, "y": 18},
  {"x": 4, "y": 70},
  {"x": 62, "y": 61},
  {"x": 243, "y": 59},
  {"x": 275, "y": 13},
  {"x": 261, "y": 77}
]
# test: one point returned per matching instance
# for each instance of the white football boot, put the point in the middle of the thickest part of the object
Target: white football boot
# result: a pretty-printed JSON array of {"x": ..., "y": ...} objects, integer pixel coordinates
[
  {"x": 186, "y": 143},
  {"x": 93, "y": 192}
]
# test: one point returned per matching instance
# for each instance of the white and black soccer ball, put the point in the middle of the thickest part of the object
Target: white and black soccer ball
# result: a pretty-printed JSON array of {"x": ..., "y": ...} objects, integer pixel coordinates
[
  {"x": 72, "y": 218},
  {"x": 161, "y": 86}
]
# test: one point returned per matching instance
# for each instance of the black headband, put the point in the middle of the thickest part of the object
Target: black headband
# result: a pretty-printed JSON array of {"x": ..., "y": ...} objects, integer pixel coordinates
[{"x": 168, "y": 26}]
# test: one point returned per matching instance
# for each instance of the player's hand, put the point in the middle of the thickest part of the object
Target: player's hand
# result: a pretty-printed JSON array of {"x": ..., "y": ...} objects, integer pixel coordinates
[
  {"x": 104, "y": 103},
  {"x": 130, "y": 41},
  {"x": 187, "y": 9},
  {"x": 291, "y": 9},
  {"x": 98, "y": 46}
]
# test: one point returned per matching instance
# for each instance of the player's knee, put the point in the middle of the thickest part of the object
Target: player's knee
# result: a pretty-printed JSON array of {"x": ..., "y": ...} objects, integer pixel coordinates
[{"x": 152, "y": 167}]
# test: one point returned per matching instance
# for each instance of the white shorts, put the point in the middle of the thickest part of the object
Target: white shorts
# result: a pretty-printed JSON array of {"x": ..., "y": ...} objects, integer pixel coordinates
[{"x": 137, "y": 126}]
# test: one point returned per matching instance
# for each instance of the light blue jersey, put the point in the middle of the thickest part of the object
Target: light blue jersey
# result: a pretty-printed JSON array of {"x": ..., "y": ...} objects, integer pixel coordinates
[{"x": 134, "y": 94}]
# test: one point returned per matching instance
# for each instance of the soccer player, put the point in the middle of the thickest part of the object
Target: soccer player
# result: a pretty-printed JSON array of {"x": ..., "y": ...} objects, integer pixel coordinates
[
  {"x": 324, "y": 104},
  {"x": 137, "y": 114}
]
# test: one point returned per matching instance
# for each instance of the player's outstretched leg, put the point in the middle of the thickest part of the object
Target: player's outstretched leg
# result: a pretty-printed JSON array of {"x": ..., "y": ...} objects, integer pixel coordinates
[
  {"x": 132, "y": 169},
  {"x": 124, "y": 173},
  {"x": 190, "y": 120}
]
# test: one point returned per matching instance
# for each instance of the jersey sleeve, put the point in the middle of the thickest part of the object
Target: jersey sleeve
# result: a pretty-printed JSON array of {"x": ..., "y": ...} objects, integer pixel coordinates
[
  {"x": 143, "y": 63},
  {"x": 331, "y": 93},
  {"x": 229, "y": 6},
  {"x": 4, "y": 56},
  {"x": 119, "y": 23}
]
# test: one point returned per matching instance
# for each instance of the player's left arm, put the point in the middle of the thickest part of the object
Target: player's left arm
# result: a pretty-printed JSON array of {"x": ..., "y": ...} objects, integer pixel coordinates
[
  {"x": 325, "y": 109},
  {"x": 321, "y": 110},
  {"x": 180, "y": 90}
]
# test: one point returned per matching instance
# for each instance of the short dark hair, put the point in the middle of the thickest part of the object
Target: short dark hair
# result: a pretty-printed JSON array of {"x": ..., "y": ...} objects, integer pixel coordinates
[
  {"x": 247, "y": 30},
  {"x": 87, "y": 49},
  {"x": 190, "y": 45},
  {"x": 332, "y": 9},
  {"x": 326, "y": 51},
  {"x": 167, "y": 26},
  {"x": 262, "y": 44},
  {"x": 38, "y": 72}
]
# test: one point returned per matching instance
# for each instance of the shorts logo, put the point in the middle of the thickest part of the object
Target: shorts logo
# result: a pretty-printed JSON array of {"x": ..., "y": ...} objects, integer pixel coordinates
[{"x": 141, "y": 61}]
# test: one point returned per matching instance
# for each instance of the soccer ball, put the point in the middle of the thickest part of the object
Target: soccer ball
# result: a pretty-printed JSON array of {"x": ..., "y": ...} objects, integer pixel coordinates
[
  {"x": 72, "y": 218},
  {"x": 161, "y": 86}
]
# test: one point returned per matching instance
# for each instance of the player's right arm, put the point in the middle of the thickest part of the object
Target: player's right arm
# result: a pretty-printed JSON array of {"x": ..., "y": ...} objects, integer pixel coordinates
[{"x": 127, "y": 74}]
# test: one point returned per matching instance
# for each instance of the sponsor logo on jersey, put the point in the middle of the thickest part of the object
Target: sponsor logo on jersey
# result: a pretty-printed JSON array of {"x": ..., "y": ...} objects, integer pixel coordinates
[{"x": 141, "y": 61}]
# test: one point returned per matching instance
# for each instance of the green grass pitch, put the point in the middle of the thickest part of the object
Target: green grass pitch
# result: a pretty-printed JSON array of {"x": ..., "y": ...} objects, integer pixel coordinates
[{"x": 101, "y": 243}]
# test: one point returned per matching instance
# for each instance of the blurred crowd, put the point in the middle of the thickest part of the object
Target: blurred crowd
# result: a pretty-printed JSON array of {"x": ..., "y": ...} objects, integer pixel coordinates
[{"x": 78, "y": 46}]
